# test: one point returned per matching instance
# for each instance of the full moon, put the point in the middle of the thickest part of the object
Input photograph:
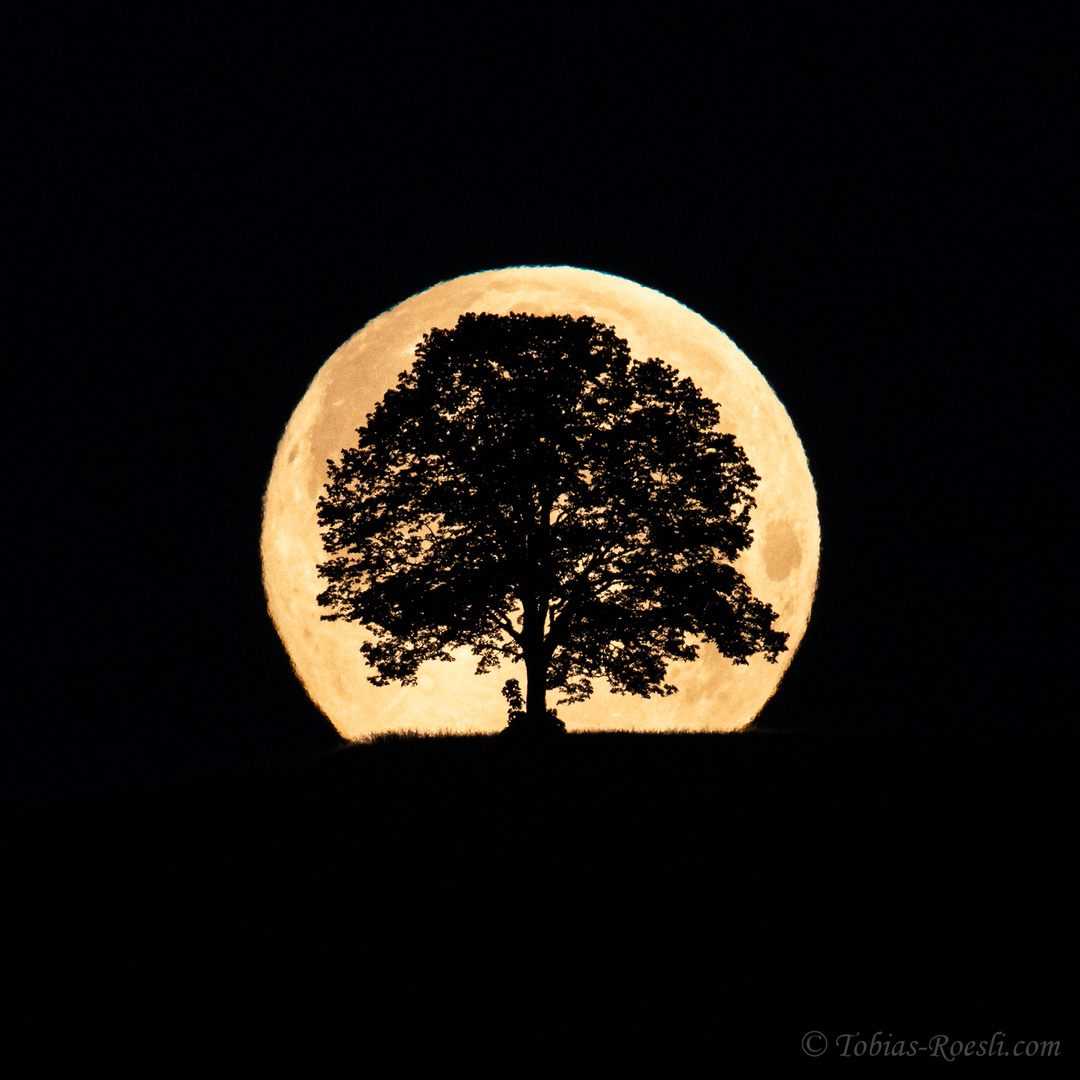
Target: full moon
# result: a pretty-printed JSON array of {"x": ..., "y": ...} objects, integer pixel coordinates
[{"x": 781, "y": 565}]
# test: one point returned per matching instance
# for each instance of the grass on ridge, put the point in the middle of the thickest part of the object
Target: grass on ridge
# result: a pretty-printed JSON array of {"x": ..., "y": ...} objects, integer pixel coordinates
[{"x": 408, "y": 734}]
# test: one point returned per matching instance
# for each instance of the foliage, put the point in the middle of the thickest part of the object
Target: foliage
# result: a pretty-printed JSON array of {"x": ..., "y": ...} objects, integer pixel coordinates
[{"x": 532, "y": 492}]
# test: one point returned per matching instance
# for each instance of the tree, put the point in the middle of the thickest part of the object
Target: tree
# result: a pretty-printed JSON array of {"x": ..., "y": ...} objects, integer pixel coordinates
[{"x": 532, "y": 492}]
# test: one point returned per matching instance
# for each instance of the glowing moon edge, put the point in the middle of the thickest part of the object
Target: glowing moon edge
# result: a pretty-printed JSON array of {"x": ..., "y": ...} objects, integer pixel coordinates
[{"x": 781, "y": 566}]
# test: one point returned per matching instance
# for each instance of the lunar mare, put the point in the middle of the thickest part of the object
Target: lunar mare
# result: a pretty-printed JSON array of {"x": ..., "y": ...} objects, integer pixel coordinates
[{"x": 780, "y": 566}]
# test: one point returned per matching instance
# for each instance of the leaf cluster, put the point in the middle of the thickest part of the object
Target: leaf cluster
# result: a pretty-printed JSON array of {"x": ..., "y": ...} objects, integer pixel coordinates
[{"x": 531, "y": 491}]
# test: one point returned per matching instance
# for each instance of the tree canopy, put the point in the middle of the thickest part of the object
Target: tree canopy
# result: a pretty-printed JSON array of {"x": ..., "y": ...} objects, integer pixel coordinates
[{"x": 532, "y": 492}]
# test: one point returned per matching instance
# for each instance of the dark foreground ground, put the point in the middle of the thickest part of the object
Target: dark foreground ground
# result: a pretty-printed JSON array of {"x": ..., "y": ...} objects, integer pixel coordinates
[{"x": 677, "y": 905}]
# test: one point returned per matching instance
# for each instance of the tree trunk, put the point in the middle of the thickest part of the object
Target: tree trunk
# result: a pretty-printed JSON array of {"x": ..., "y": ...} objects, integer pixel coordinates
[
  {"x": 536, "y": 721},
  {"x": 536, "y": 691}
]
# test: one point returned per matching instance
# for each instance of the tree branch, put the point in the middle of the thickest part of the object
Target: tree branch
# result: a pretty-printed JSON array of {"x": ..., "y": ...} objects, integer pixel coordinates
[{"x": 507, "y": 626}]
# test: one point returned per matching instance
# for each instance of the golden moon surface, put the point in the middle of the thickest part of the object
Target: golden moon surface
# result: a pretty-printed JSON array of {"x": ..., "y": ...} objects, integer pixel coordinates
[{"x": 781, "y": 565}]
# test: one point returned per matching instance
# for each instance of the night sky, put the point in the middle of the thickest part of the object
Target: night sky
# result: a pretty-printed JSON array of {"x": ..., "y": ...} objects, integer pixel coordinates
[{"x": 873, "y": 204}]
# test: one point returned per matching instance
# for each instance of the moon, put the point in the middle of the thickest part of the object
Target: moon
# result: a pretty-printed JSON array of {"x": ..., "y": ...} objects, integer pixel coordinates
[{"x": 781, "y": 565}]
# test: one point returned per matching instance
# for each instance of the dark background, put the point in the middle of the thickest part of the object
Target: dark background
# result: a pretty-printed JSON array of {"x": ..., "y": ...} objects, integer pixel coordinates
[
  {"x": 875, "y": 206},
  {"x": 874, "y": 203}
]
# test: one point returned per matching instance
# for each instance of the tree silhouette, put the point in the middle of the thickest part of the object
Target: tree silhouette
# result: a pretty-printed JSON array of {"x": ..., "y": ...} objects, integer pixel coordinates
[{"x": 532, "y": 492}]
